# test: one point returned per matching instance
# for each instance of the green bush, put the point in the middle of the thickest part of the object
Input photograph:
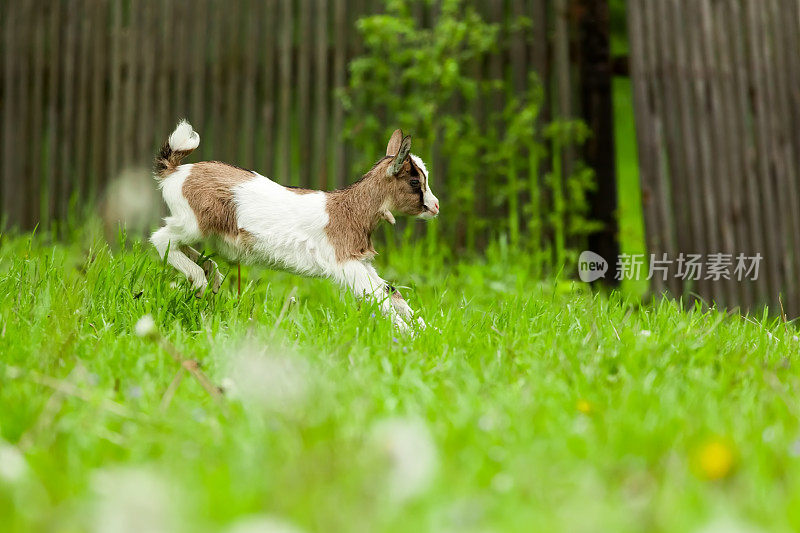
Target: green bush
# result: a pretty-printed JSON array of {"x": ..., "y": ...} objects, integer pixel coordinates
[{"x": 484, "y": 144}]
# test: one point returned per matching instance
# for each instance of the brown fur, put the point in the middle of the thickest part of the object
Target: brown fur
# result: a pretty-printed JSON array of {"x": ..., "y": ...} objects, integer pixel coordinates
[
  {"x": 167, "y": 160},
  {"x": 209, "y": 191},
  {"x": 355, "y": 211},
  {"x": 299, "y": 190},
  {"x": 394, "y": 142}
]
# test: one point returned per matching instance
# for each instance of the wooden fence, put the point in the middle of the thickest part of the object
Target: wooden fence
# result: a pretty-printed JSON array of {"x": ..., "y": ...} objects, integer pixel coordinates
[
  {"x": 89, "y": 87},
  {"x": 717, "y": 99}
]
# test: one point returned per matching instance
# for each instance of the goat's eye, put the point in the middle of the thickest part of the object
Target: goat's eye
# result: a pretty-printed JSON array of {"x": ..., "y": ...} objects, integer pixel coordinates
[{"x": 414, "y": 183}]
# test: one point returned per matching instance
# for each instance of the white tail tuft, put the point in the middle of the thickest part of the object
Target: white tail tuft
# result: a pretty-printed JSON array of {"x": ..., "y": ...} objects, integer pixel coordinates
[{"x": 184, "y": 138}]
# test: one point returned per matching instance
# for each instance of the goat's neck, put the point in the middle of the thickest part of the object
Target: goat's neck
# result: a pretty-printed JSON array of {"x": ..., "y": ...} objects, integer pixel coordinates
[{"x": 363, "y": 203}]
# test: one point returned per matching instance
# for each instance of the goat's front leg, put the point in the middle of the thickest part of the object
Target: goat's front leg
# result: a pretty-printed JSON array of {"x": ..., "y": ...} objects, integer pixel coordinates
[
  {"x": 401, "y": 306},
  {"x": 362, "y": 279},
  {"x": 209, "y": 267},
  {"x": 396, "y": 300}
]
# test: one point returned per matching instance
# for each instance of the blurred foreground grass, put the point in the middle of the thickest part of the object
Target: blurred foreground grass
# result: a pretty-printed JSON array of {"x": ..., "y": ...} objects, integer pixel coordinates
[{"x": 526, "y": 405}]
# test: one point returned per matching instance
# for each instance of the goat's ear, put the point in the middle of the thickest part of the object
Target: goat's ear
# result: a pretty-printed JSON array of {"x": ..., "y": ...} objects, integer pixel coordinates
[
  {"x": 402, "y": 153},
  {"x": 394, "y": 142}
]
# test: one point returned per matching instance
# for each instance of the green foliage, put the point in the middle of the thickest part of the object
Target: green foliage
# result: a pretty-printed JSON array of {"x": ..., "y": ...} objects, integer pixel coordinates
[
  {"x": 484, "y": 143},
  {"x": 547, "y": 407}
]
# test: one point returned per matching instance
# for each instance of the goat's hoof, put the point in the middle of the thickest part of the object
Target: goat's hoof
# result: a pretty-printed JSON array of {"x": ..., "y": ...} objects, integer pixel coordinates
[
  {"x": 216, "y": 283},
  {"x": 421, "y": 323},
  {"x": 209, "y": 267},
  {"x": 200, "y": 289}
]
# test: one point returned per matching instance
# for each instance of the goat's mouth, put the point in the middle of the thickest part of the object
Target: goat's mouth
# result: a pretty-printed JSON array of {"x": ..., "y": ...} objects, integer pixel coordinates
[{"x": 428, "y": 213}]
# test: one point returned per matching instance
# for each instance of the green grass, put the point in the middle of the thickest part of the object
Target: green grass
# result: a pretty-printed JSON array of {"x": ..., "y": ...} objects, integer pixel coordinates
[{"x": 526, "y": 405}]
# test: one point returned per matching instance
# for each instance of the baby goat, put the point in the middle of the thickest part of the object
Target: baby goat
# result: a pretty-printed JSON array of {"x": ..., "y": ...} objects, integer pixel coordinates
[{"x": 250, "y": 218}]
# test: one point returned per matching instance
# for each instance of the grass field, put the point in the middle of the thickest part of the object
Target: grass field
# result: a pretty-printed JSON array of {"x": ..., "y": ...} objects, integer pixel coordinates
[{"x": 524, "y": 406}]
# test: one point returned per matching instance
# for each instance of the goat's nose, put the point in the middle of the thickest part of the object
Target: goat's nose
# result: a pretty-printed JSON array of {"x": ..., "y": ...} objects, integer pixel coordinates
[{"x": 436, "y": 205}]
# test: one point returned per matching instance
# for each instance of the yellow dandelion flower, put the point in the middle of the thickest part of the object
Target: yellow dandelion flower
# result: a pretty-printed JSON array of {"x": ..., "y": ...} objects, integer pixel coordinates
[
  {"x": 584, "y": 406},
  {"x": 714, "y": 459}
]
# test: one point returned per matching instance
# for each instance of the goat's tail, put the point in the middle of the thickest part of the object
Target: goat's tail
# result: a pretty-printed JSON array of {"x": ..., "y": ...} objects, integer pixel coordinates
[{"x": 180, "y": 143}]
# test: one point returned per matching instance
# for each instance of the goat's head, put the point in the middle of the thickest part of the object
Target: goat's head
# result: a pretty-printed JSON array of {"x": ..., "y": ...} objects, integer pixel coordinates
[{"x": 409, "y": 189}]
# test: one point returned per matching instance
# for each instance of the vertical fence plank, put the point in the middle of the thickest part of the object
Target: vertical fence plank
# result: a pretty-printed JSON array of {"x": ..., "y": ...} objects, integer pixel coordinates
[
  {"x": 285, "y": 111},
  {"x": 197, "y": 78},
  {"x": 518, "y": 50},
  {"x": 339, "y": 58},
  {"x": 321, "y": 109},
  {"x": 146, "y": 109},
  {"x": 11, "y": 185},
  {"x": 787, "y": 182},
  {"x": 354, "y": 48},
  {"x": 789, "y": 17},
  {"x": 231, "y": 60},
  {"x": 53, "y": 82},
  {"x": 248, "y": 101},
  {"x": 82, "y": 99},
  {"x": 649, "y": 151},
  {"x": 214, "y": 126},
  {"x": 130, "y": 39},
  {"x": 665, "y": 82},
  {"x": 732, "y": 134},
  {"x": 181, "y": 53},
  {"x": 66, "y": 140},
  {"x": 100, "y": 100},
  {"x": 270, "y": 95},
  {"x": 687, "y": 153},
  {"x": 778, "y": 181},
  {"x": 561, "y": 59},
  {"x": 736, "y": 43},
  {"x": 772, "y": 230},
  {"x": 23, "y": 129},
  {"x": 700, "y": 120},
  {"x": 662, "y": 185},
  {"x": 37, "y": 115},
  {"x": 303, "y": 90},
  {"x": 495, "y": 15},
  {"x": 720, "y": 174},
  {"x": 114, "y": 138}
]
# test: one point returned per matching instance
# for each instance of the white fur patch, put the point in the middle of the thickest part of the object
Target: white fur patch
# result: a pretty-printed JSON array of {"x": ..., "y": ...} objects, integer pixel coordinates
[
  {"x": 420, "y": 165},
  {"x": 428, "y": 198},
  {"x": 179, "y": 228},
  {"x": 182, "y": 220},
  {"x": 184, "y": 138},
  {"x": 289, "y": 228}
]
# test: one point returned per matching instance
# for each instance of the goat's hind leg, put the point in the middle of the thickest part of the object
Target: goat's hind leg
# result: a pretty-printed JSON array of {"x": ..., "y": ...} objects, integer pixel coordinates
[
  {"x": 210, "y": 267},
  {"x": 167, "y": 239}
]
